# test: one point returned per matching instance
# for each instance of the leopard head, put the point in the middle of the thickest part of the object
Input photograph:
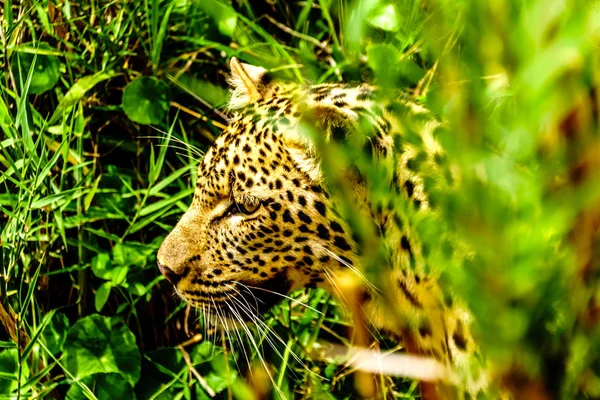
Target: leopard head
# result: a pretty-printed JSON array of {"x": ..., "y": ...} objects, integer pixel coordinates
[{"x": 261, "y": 223}]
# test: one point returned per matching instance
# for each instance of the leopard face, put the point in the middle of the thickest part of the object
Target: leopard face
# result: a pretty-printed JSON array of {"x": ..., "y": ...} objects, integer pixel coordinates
[{"x": 261, "y": 223}]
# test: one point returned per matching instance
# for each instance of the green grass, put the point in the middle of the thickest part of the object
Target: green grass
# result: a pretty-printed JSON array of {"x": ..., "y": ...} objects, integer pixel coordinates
[{"x": 106, "y": 106}]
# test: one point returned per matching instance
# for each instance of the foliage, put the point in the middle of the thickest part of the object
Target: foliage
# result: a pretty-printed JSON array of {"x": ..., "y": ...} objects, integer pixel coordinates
[{"x": 105, "y": 108}]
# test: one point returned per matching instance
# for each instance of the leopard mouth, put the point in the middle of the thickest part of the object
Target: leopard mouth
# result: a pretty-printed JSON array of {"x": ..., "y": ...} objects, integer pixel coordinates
[{"x": 239, "y": 300}]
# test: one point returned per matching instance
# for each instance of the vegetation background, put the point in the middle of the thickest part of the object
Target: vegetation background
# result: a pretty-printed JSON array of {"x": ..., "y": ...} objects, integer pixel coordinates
[{"x": 106, "y": 106}]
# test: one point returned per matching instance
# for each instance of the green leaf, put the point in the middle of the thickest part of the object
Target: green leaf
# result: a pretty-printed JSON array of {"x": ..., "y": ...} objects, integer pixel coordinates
[
  {"x": 390, "y": 67},
  {"x": 164, "y": 203},
  {"x": 77, "y": 91},
  {"x": 132, "y": 253},
  {"x": 383, "y": 59},
  {"x": 137, "y": 289},
  {"x": 102, "y": 295},
  {"x": 224, "y": 15},
  {"x": 9, "y": 371},
  {"x": 87, "y": 201},
  {"x": 168, "y": 180},
  {"x": 159, "y": 39},
  {"x": 101, "y": 266},
  {"x": 410, "y": 72},
  {"x": 160, "y": 368},
  {"x": 45, "y": 68},
  {"x": 55, "y": 333},
  {"x": 6, "y": 122},
  {"x": 103, "y": 386},
  {"x": 223, "y": 374},
  {"x": 145, "y": 100},
  {"x": 385, "y": 17},
  {"x": 97, "y": 345},
  {"x": 118, "y": 275},
  {"x": 205, "y": 351}
]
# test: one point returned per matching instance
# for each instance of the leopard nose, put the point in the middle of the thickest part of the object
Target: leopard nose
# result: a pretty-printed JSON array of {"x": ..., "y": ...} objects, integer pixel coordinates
[{"x": 169, "y": 274}]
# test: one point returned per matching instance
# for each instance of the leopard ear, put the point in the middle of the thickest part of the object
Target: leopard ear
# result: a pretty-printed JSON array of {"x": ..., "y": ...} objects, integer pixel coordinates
[{"x": 247, "y": 82}]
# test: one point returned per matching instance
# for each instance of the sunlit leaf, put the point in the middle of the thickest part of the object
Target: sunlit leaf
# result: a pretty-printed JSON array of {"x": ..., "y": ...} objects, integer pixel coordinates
[
  {"x": 385, "y": 17},
  {"x": 43, "y": 67},
  {"x": 9, "y": 371},
  {"x": 145, "y": 100},
  {"x": 102, "y": 265},
  {"x": 102, "y": 295}
]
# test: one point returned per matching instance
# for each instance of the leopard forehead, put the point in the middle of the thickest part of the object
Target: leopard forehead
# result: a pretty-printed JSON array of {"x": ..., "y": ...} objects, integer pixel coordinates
[{"x": 224, "y": 258}]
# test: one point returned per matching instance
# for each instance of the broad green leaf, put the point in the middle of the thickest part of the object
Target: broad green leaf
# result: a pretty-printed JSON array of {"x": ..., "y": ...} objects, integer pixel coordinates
[
  {"x": 115, "y": 270},
  {"x": 410, "y": 72},
  {"x": 103, "y": 386},
  {"x": 95, "y": 344},
  {"x": 45, "y": 67},
  {"x": 390, "y": 67},
  {"x": 101, "y": 266},
  {"x": 9, "y": 371},
  {"x": 146, "y": 100},
  {"x": 385, "y": 17},
  {"x": 383, "y": 59},
  {"x": 118, "y": 275},
  {"x": 102, "y": 295}
]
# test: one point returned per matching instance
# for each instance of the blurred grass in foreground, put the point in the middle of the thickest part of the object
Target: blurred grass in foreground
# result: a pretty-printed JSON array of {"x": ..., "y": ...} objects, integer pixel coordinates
[{"x": 88, "y": 189}]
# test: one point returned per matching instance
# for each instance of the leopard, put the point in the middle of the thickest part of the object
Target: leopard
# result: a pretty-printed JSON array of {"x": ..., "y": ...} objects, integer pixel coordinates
[{"x": 266, "y": 219}]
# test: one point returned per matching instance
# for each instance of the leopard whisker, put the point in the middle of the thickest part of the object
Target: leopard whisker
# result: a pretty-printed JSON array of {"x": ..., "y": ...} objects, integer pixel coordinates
[
  {"x": 261, "y": 357},
  {"x": 189, "y": 157},
  {"x": 186, "y": 146},
  {"x": 237, "y": 316},
  {"x": 259, "y": 324},
  {"x": 267, "y": 330},
  {"x": 351, "y": 268},
  {"x": 330, "y": 277},
  {"x": 236, "y": 333},
  {"x": 284, "y": 296}
]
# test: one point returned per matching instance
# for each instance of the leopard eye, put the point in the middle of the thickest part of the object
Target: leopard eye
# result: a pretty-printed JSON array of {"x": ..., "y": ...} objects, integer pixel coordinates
[
  {"x": 242, "y": 208},
  {"x": 248, "y": 209}
]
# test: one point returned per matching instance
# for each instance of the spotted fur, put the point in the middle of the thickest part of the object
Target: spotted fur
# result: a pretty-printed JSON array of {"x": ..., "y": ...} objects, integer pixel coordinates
[{"x": 266, "y": 219}]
